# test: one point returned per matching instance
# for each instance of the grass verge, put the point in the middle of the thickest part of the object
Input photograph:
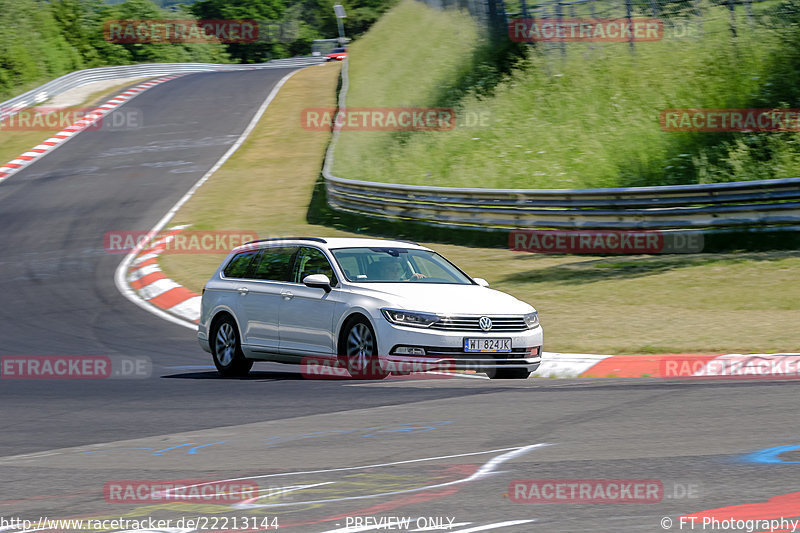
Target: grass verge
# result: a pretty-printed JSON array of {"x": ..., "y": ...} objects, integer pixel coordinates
[{"x": 638, "y": 304}]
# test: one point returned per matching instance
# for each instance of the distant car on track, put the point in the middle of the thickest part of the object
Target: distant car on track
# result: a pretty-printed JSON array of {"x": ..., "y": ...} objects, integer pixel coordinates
[
  {"x": 365, "y": 303},
  {"x": 337, "y": 54}
]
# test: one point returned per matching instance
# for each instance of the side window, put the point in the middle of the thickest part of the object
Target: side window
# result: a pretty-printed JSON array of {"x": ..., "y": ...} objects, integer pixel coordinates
[
  {"x": 312, "y": 261},
  {"x": 238, "y": 266},
  {"x": 274, "y": 263}
]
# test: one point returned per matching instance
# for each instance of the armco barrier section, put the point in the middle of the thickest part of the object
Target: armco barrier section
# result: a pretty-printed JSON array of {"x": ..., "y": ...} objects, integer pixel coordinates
[
  {"x": 721, "y": 205},
  {"x": 84, "y": 77},
  {"x": 715, "y": 206}
]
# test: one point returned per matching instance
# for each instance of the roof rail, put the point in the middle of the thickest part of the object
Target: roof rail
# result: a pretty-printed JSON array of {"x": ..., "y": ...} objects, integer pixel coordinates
[{"x": 315, "y": 239}]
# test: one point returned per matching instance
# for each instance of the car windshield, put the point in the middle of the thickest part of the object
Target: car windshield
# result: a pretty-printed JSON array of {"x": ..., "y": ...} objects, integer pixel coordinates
[
  {"x": 339, "y": 50},
  {"x": 396, "y": 265}
]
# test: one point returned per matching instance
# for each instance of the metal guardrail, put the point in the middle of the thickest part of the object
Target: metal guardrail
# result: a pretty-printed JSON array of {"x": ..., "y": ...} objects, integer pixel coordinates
[
  {"x": 774, "y": 202},
  {"x": 84, "y": 77},
  {"x": 748, "y": 203}
]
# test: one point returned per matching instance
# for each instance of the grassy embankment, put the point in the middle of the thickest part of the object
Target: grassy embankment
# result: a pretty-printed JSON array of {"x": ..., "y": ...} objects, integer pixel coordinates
[
  {"x": 696, "y": 304},
  {"x": 589, "y": 119}
]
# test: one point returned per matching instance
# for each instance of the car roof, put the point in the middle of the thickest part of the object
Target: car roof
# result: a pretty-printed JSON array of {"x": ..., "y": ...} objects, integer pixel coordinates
[{"x": 334, "y": 242}]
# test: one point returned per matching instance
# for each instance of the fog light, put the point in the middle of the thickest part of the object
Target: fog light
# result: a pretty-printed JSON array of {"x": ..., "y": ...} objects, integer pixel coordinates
[
  {"x": 409, "y": 350},
  {"x": 535, "y": 350}
]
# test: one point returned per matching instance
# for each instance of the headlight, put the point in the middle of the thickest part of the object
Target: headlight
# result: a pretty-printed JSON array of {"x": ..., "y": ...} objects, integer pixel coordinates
[
  {"x": 409, "y": 318},
  {"x": 532, "y": 320}
]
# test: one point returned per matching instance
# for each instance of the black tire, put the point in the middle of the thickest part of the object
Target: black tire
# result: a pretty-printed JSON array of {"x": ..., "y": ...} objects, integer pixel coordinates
[
  {"x": 358, "y": 350},
  {"x": 226, "y": 349},
  {"x": 509, "y": 373}
]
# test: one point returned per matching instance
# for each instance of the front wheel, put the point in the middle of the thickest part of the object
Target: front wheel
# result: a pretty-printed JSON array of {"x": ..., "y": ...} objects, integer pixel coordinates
[
  {"x": 227, "y": 350},
  {"x": 360, "y": 349}
]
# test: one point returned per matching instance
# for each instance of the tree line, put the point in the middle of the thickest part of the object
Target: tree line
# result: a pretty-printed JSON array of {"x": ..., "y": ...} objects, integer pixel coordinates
[{"x": 41, "y": 40}]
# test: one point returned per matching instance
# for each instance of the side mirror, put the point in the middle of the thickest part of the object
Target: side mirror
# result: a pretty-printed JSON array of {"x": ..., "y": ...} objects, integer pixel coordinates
[
  {"x": 480, "y": 281},
  {"x": 318, "y": 281}
]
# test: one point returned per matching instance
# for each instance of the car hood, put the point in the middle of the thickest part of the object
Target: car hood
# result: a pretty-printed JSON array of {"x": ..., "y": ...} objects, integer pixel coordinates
[{"x": 444, "y": 299}]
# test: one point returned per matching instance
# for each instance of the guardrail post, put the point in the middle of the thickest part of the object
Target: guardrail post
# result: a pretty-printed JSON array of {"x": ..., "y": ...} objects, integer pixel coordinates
[
  {"x": 628, "y": 15},
  {"x": 732, "y": 9},
  {"x": 559, "y": 17}
]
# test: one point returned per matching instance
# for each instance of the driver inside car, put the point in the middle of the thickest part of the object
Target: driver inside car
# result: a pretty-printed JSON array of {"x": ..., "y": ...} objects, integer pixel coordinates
[{"x": 392, "y": 270}]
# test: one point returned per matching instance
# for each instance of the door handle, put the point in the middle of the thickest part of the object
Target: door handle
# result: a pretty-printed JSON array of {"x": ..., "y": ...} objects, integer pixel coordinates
[
  {"x": 243, "y": 290},
  {"x": 287, "y": 295}
]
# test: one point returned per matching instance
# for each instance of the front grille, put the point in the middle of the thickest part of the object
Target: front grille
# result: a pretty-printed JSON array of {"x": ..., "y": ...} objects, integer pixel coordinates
[
  {"x": 444, "y": 352},
  {"x": 470, "y": 323},
  {"x": 478, "y": 361}
]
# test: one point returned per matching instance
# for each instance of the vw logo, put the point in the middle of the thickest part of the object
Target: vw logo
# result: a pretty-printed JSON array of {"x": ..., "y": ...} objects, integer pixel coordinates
[{"x": 485, "y": 323}]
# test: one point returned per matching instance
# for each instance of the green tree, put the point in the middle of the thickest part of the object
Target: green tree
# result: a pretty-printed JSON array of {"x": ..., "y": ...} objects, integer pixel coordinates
[{"x": 31, "y": 45}]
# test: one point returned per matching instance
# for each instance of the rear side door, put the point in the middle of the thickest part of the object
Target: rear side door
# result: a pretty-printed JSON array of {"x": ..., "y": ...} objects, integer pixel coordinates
[
  {"x": 227, "y": 294},
  {"x": 307, "y": 314},
  {"x": 260, "y": 302}
]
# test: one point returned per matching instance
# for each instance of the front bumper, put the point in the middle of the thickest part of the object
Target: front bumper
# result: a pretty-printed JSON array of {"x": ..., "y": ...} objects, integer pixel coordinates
[
  {"x": 445, "y": 349},
  {"x": 465, "y": 361},
  {"x": 202, "y": 339}
]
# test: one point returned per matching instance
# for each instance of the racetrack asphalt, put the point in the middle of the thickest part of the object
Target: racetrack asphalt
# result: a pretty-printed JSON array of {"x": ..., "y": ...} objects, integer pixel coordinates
[{"x": 63, "y": 441}]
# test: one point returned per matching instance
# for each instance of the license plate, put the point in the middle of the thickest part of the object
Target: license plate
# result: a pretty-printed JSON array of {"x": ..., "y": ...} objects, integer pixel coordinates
[{"x": 487, "y": 345}]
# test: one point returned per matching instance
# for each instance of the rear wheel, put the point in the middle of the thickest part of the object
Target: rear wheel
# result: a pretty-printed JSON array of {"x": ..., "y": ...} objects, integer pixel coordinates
[
  {"x": 509, "y": 373},
  {"x": 227, "y": 349},
  {"x": 360, "y": 349}
]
